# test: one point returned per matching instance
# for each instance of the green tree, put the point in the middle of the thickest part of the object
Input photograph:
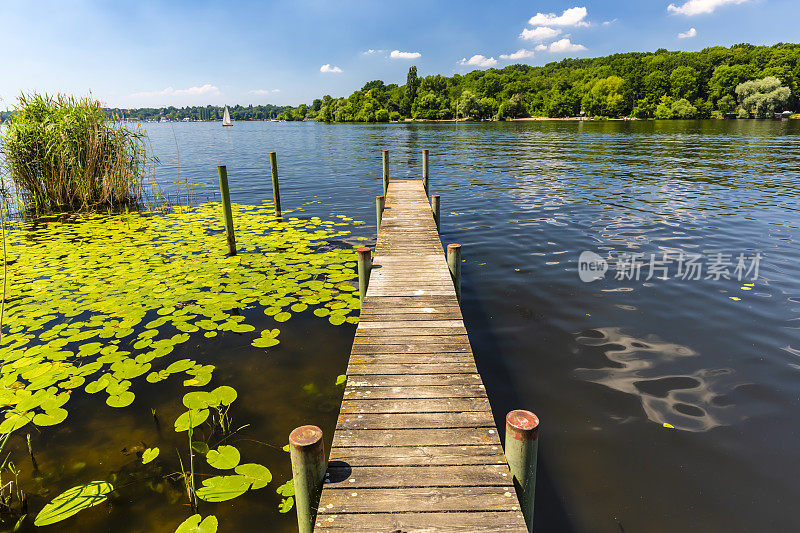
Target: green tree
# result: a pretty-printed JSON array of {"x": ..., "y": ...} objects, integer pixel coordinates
[
  {"x": 684, "y": 83},
  {"x": 412, "y": 85},
  {"x": 468, "y": 105},
  {"x": 762, "y": 97}
]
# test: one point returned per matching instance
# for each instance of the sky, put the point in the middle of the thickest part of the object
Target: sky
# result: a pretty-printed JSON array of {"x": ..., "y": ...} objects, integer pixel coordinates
[{"x": 153, "y": 53}]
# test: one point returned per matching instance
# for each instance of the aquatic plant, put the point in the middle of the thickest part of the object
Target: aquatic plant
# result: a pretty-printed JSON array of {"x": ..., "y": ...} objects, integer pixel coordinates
[
  {"x": 97, "y": 301},
  {"x": 61, "y": 154}
]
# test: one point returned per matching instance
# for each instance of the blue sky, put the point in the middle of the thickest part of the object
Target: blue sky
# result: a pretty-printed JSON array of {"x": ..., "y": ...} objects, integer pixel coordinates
[{"x": 179, "y": 52}]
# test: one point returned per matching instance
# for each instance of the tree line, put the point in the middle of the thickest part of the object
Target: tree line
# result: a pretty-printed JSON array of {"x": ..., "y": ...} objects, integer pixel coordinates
[{"x": 743, "y": 80}]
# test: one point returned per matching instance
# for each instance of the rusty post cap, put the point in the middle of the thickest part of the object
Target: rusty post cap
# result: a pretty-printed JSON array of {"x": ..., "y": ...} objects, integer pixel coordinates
[
  {"x": 453, "y": 247},
  {"x": 524, "y": 424},
  {"x": 305, "y": 436},
  {"x": 379, "y": 197},
  {"x": 437, "y": 196},
  {"x": 363, "y": 250}
]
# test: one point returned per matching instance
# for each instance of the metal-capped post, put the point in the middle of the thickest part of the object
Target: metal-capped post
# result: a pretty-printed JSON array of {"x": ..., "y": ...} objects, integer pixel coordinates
[
  {"x": 435, "y": 206},
  {"x": 454, "y": 263},
  {"x": 276, "y": 195},
  {"x": 364, "y": 267},
  {"x": 425, "y": 170},
  {"x": 385, "y": 172},
  {"x": 522, "y": 446},
  {"x": 380, "y": 202},
  {"x": 226, "y": 208},
  {"x": 307, "y": 452}
]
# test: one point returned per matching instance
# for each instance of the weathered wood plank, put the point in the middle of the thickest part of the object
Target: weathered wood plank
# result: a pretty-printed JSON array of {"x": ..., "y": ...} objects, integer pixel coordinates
[
  {"x": 408, "y": 369},
  {"x": 419, "y": 391},
  {"x": 486, "y": 454},
  {"x": 380, "y": 421},
  {"x": 419, "y": 499},
  {"x": 415, "y": 437},
  {"x": 341, "y": 475},
  {"x": 482, "y": 522},
  {"x": 413, "y": 380},
  {"x": 422, "y": 405}
]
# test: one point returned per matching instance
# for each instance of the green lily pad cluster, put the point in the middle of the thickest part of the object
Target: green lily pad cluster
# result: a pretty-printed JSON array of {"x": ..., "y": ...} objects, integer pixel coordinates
[{"x": 96, "y": 301}]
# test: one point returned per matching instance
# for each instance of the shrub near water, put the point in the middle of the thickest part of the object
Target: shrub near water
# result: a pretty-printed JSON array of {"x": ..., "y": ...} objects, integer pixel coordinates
[{"x": 61, "y": 154}]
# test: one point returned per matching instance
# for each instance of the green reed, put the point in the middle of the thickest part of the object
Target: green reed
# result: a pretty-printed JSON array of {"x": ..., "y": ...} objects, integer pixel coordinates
[{"x": 62, "y": 155}]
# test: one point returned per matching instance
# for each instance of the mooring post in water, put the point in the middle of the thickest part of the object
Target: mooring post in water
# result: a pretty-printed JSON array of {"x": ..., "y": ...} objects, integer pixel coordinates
[
  {"x": 435, "y": 206},
  {"x": 364, "y": 267},
  {"x": 454, "y": 263},
  {"x": 307, "y": 452},
  {"x": 380, "y": 202},
  {"x": 522, "y": 446},
  {"x": 226, "y": 208},
  {"x": 276, "y": 195},
  {"x": 425, "y": 170},
  {"x": 385, "y": 172}
]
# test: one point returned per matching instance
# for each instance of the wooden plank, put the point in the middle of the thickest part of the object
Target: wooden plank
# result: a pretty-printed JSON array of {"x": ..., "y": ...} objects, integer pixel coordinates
[
  {"x": 482, "y": 522},
  {"x": 416, "y": 455},
  {"x": 381, "y": 421},
  {"x": 341, "y": 475},
  {"x": 415, "y": 437},
  {"x": 412, "y": 380},
  {"x": 412, "y": 368},
  {"x": 419, "y": 391},
  {"x": 419, "y": 499},
  {"x": 422, "y": 405}
]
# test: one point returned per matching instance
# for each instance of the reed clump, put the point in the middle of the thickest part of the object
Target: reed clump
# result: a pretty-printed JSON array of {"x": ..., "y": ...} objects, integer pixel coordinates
[{"x": 62, "y": 155}]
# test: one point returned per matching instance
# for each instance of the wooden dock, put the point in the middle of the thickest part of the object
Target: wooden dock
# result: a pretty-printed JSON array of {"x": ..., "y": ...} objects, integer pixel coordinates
[{"x": 415, "y": 448}]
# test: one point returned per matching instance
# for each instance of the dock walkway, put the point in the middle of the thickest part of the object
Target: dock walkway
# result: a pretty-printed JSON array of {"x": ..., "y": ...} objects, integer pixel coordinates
[{"x": 415, "y": 448}]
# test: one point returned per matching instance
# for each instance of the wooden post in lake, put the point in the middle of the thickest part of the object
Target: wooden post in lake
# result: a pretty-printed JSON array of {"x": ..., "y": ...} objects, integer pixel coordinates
[
  {"x": 276, "y": 195},
  {"x": 380, "y": 202},
  {"x": 522, "y": 446},
  {"x": 307, "y": 452},
  {"x": 425, "y": 170},
  {"x": 364, "y": 267},
  {"x": 436, "y": 207},
  {"x": 454, "y": 264},
  {"x": 226, "y": 208},
  {"x": 385, "y": 171}
]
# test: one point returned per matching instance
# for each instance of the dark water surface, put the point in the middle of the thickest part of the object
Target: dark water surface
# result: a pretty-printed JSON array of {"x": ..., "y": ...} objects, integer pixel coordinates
[{"x": 666, "y": 405}]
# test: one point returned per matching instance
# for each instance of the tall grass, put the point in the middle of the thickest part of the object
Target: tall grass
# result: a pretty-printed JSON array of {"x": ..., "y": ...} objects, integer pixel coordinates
[{"x": 62, "y": 155}]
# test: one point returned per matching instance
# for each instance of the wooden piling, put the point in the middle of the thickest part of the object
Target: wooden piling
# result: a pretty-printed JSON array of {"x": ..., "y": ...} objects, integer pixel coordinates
[
  {"x": 307, "y": 452},
  {"x": 454, "y": 264},
  {"x": 226, "y": 208},
  {"x": 276, "y": 195},
  {"x": 425, "y": 170},
  {"x": 522, "y": 445},
  {"x": 436, "y": 207},
  {"x": 380, "y": 202},
  {"x": 385, "y": 171},
  {"x": 364, "y": 267}
]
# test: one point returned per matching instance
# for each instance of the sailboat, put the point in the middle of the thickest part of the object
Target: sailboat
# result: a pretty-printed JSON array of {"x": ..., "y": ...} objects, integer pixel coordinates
[{"x": 226, "y": 118}]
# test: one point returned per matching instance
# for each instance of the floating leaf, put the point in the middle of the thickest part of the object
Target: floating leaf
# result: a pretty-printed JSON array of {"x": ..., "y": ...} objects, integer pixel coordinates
[
  {"x": 194, "y": 525},
  {"x": 225, "y": 395},
  {"x": 122, "y": 399},
  {"x": 50, "y": 418},
  {"x": 224, "y": 457},
  {"x": 223, "y": 488},
  {"x": 287, "y": 489},
  {"x": 341, "y": 379},
  {"x": 197, "y": 417},
  {"x": 72, "y": 501},
  {"x": 259, "y": 475},
  {"x": 286, "y": 505},
  {"x": 149, "y": 454}
]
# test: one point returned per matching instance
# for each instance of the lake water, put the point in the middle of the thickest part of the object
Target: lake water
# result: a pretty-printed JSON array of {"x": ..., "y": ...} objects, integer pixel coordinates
[{"x": 667, "y": 404}]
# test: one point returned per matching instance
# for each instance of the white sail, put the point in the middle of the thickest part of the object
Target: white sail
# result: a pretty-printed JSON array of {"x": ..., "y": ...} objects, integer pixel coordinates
[{"x": 226, "y": 118}]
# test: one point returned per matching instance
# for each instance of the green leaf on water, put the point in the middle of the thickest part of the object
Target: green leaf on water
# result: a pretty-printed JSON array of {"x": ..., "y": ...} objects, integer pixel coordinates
[
  {"x": 259, "y": 475},
  {"x": 224, "y": 457},
  {"x": 286, "y": 505},
  {"x": 341, "y": 379},
  {"x": 72, "y": 501},
  {"x": 225, "y": 395},
  {"x": 149, "y": 454},
  {"x": 287, "y": 489},
  {"x": 193, "y": 524},
  {"x": 223, "y": 488},
  {"x": 197, "y": 418}
]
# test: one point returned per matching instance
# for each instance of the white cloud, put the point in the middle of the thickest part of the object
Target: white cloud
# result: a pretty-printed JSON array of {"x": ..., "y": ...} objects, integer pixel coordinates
[
  {"x": 479, "y": 60},
  {"x": 328, "y": 68},
  {"x": 397, "y": 54},
  {"x": 573, "y": 16},
  {"x": 263, "y": 92},
  {"x": 372, "y": 52},
  {"x": 540, "y": 33},
  {"x": 698, "y": 7},
  {"x": 207, "y": 89},
  {"x": 691, "y": 32},
  {"x": 519, "y": 54},
  {"x": 609, "y": 22},
  {"x": 564, "y": 45},
  {"x": 540, "y": 47}
]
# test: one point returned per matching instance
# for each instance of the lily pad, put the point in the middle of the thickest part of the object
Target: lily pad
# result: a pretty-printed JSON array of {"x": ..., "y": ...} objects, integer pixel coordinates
[
  {"x": 224, "y": 457},
  {"x": 259, "y": 475},
  {"x": 72, "y": 501},
  {"x": 149, "y": 454},
  {"x": 193, "y": 524},
  {"x": 223, "y": 488},
  {"x": 197, "y": 417}
]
